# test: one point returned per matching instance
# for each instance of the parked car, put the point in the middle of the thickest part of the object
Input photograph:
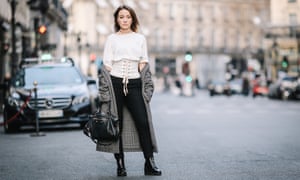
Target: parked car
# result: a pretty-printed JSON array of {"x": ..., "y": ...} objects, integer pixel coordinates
[
  {"x": 297, "y": 89},
  {"x": 259, "y": 89},
  {"x": 236, "y": 86},
  {"x": 285, "y": 88},
  {"x": 219, "y": 88},
  {"x": 64, "y": 95}
]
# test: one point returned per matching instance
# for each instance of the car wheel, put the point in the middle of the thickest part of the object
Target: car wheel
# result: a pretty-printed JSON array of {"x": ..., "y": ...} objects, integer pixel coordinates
[
  {"x": 270, "y": 96},
  {"x": 284, "y": 95},
  {"x": 9, "y": 127},
  {"x": 82, "y": 124}
]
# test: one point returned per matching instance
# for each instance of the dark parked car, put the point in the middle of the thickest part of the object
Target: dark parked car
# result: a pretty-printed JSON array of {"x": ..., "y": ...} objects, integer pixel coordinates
[
  {"x": 285, "y": 88},
  {"x": 64, "y": 95},
  {"x": 219, "y": 88}
]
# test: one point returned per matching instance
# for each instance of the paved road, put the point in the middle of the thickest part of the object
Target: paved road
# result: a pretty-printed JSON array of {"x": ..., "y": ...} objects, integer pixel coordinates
[{"x": 199, "y": 138}]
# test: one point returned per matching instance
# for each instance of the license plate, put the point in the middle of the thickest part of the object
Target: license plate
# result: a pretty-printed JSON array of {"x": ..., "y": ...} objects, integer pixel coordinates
[{"x": 50, "y": 113}]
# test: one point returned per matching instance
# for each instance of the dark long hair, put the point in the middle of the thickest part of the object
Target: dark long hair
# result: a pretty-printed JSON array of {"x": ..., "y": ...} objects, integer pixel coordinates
[{"x": 135, "y": 21}]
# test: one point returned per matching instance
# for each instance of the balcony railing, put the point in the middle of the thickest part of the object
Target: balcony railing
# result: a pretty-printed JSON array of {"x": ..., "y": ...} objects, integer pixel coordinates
[{"x": 57, "y": 12}]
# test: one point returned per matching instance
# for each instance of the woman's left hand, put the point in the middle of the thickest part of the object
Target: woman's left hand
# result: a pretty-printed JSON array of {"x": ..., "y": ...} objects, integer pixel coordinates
[{"x": 141, "y": 66}]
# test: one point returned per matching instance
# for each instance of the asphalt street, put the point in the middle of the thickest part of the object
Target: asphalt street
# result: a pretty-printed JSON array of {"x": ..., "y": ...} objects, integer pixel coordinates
[{"x": 200, "y": 137}]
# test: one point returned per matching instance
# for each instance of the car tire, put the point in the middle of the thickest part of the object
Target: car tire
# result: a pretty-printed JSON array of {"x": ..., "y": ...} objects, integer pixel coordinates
[
  {"x": 283, "y": 96},
  {"x": 9, "y": 127},
  {"x": 82, "y": 124}
]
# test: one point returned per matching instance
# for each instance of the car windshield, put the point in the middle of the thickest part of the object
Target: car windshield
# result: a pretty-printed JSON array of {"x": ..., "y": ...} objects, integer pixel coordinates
[
  {"x": 48, "y": 75},
  {"x": 290, "y": 79}
]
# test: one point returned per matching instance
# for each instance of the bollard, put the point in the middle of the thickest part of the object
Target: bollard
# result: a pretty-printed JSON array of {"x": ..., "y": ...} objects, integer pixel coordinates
[{"x": 37, "y": 127}]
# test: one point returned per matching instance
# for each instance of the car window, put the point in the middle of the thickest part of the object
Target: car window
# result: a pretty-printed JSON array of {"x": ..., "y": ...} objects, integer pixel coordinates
[
  {"x": 289, "y": 79},
  {"x": 48, "y": 75}
]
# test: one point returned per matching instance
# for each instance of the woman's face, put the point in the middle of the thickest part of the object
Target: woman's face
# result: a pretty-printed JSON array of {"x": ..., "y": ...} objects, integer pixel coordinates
[{"x": 124, "y": 19}]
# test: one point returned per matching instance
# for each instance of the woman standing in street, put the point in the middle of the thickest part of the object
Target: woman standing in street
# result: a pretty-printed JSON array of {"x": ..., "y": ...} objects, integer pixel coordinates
[{"x": 126, "y": 85}]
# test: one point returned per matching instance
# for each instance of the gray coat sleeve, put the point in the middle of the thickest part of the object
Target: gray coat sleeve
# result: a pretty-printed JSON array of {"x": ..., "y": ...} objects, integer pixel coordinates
[
  {"x": 148, "y": 84},
  {"x": 104, "y": 94}
]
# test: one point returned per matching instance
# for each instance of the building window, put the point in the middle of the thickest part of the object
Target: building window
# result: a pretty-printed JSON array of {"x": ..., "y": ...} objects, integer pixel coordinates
[
  {"x": 225, "y": 41},
  {"x": 225, "y": 14},
  {"x": 186, "y": 38},
  {"x": 237, "y": 45},
  {"x": 249, "y": 40},
  {"x": 238, "y": 15},
  {"x": 171, "y": 40},
  {"x": 293, "y": 19},
  {"x": 156, "y": 10},
  {"x": 199, "y": 14},
  {"x": 293, "y": 24},
  {"x": 185, "y": 12},
  {"x": 213, "y": 34},
  {"x": 213, "y": 13},
  {"x": 171, "y": 11},
  {"x": 157, "y": 37},
  {"x": 200, "y": 38}
]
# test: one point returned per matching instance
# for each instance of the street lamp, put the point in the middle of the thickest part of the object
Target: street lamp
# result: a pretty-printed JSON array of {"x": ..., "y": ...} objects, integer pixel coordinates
[
  {"x": 188, "y": 56},
  {"x": 14, "y": 60},
  {"x": 274, "y": 56},
  {"x": 261, "y": 51},
  {"x": 78, "y": 39},
  {"x": 295, "y": 34}
]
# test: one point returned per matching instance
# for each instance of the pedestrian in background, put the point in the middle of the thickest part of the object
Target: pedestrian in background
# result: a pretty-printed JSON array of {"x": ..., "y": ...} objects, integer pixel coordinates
[
  {"x": 245, "y": 86},
  {"x": 127, "y": 74}
]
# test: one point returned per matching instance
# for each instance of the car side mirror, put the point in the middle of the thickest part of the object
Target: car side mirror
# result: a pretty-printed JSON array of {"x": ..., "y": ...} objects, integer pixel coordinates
[{"x": 2, "y": 86}]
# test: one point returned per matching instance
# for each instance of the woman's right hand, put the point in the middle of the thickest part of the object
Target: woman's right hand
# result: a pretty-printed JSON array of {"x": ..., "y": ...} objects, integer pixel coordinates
[{"x": 107, "y": 68}]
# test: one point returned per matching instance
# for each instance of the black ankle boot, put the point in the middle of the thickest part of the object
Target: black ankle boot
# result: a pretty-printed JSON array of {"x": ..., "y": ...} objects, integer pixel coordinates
[
  {"x": 121, "y": 170},
  {"x": 150, "y": 168}
]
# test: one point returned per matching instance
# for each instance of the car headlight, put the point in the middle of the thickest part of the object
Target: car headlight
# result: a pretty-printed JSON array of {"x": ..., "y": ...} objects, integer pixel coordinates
[
  {"x": 281, "y": 87},
  {"x": 80, "y": 100},
  {"x": 294, "y": 85},
  {"x": 210, "y": 86},
  {"x": 15, "y": 100},
  {"x": 226, "y": 87}
]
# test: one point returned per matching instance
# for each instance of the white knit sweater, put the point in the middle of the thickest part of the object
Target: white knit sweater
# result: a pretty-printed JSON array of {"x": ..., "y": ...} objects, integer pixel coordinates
[{"x": 123, "y": 52}]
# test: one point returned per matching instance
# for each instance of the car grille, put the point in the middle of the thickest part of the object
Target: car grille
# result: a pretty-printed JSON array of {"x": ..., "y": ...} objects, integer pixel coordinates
[{"x": 50, "y": 103}]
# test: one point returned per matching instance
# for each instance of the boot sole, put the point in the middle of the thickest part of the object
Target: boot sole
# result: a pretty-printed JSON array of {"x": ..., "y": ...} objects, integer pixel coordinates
[{"x": 152, "y": 174}]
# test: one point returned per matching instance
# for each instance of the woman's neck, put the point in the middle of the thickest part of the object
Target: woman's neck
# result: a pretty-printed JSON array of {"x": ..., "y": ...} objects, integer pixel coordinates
[{"x": 124, "y": 31}]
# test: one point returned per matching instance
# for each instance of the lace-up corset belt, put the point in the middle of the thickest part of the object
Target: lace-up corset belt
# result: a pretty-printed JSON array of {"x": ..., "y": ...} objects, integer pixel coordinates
[{"x": 126, "y": 69}]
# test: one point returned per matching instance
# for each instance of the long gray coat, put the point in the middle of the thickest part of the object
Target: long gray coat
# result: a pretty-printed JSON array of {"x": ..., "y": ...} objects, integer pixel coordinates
[{"x": 129, "y": 133}]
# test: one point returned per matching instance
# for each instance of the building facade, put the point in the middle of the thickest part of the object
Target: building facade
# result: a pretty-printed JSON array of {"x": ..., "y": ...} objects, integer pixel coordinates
[
  {"x": 29, "y": 15},
  {"x": 19, "y": 35},
  {"x": 283, "y": 34},
  {"x": 22, "y": 17},
  {"x": 212, "y": 30}
]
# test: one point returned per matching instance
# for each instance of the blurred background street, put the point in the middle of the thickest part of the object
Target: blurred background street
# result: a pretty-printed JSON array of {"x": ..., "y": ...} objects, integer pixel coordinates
[
  {"x": 201, "y": 42},
  {"x": 199, "y": 138}
]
